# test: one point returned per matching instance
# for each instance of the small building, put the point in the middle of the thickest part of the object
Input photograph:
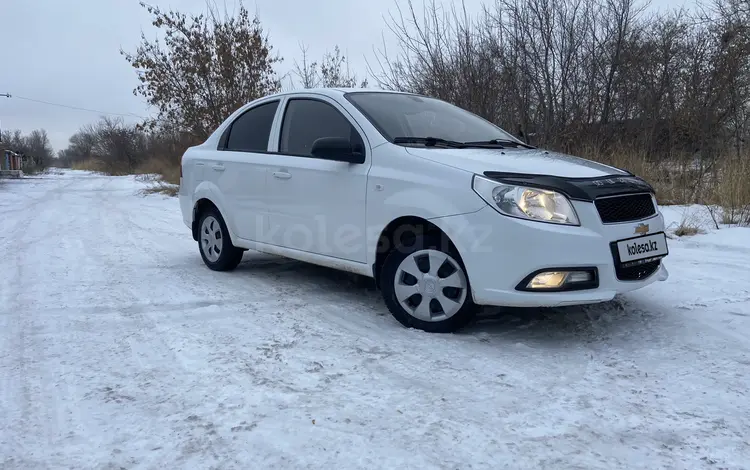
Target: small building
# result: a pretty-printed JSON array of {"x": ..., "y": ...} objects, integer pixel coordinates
[{"x": 11, "y": 163}]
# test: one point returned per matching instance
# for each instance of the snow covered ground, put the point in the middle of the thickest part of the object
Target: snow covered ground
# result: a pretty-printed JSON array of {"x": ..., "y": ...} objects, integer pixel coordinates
[{"x": 119, "y": 349}]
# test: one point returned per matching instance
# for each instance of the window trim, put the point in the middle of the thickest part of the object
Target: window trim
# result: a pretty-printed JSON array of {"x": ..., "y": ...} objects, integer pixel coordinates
[
  {"x": 224, "y": 138},
  {"x": 351, "y": 122}
]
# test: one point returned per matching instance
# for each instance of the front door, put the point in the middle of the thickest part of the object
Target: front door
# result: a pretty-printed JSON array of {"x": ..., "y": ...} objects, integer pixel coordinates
[{"x": 317, "y": 205}]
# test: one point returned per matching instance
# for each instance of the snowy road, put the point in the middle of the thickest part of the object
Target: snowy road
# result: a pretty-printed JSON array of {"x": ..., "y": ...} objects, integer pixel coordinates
[{"x": 119, "y": 349}]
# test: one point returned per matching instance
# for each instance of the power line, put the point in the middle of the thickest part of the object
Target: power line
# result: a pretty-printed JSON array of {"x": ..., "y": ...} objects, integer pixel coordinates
[
  {"x": 74, "y": 107},
  {"x": 160, "y": 120}
]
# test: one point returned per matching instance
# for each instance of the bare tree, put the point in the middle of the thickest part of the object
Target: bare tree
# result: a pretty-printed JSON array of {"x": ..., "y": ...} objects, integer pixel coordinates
[
  {"x": 331, "y": 72},
  {"x": 306, "y": 72}
]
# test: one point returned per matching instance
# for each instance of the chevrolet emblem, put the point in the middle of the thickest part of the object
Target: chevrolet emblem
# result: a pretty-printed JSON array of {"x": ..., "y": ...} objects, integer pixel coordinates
[{"x": 641, "y": 229}]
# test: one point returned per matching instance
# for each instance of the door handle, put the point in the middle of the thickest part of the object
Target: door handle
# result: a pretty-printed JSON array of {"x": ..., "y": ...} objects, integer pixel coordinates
[
  {"x": 282, "y": 175},
  {"x": 218, "y": 167}
]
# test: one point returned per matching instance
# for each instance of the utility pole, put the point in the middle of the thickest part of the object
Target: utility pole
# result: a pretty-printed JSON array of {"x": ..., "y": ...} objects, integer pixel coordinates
[{"x": 7, "y": 95}]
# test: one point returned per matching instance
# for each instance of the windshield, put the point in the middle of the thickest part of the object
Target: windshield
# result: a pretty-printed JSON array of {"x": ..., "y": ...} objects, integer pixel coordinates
[{"x": 403, "y": 115}]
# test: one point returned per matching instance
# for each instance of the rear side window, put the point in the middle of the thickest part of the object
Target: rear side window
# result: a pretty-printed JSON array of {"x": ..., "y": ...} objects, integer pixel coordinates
[
  {"x": 307, "y": 120},
  {"x": 250, "y": 131}
]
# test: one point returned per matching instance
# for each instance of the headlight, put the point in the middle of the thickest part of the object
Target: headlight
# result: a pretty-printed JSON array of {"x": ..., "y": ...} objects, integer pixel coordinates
[{"x": 524, "y": 202}]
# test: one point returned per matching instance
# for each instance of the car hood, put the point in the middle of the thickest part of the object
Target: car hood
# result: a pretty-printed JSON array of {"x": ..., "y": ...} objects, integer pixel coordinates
[{"x": 526, "y": 161}]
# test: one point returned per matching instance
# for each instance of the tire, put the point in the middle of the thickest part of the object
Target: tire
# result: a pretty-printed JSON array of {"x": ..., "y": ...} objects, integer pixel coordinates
[
  {"x": 411, "y": 310},
  {"x": 214, "y": 242}
]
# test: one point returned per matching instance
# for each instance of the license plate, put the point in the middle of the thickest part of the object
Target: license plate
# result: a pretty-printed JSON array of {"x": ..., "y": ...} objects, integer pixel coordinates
[{"x": 637, "y": 249}]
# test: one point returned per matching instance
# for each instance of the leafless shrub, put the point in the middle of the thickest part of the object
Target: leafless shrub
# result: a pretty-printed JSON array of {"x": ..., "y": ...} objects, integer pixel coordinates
[{"x": 111, "y": 147}]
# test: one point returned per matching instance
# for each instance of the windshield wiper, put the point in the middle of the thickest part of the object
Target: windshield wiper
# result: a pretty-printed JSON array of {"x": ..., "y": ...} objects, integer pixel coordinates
[
  {"x": 437, "y": 142},
  {"x": 500, "y": 142},
  {"x": 429, "y": 142}
]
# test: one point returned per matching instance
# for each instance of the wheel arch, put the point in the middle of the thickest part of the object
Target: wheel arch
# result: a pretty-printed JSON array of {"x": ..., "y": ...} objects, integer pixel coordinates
[
  {"x": 397, "y": 232},
  {"x": 200, "y": 206},
  {"x": 208, "y": 192}
]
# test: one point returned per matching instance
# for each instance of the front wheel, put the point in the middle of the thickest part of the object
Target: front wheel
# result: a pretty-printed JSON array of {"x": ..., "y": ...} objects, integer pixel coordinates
[
  {"x": 425, "y": 286},
  {"x": 216, "y": 247}
]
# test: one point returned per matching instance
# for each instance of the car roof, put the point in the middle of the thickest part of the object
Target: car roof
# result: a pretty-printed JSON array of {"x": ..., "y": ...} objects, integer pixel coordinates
[{"x": 334, "y": 92}]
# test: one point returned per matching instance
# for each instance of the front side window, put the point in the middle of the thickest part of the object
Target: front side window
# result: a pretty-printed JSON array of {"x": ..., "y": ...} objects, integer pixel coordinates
[
  {"x": 250, "y": 131},
  {"x": 307, "y": 120},
  {"x": 404, "y": 115}
]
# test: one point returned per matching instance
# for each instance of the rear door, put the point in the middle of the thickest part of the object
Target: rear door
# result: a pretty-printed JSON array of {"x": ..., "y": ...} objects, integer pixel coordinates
[{"x": 241, "y": 167}]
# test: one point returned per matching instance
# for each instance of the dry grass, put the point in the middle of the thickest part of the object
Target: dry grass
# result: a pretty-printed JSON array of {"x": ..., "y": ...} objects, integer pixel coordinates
[
  {"x": 161, "y": 187},
  {"x": 669, "y": 190},
  {"x": 725, "y": 184},
  {"x": 686, "y": 230},
  {"x": 733, "y": 191},
  {"x": 167, "y": 169},
  {"x": 163, "y": 176},
  {"x": 91, "y": 164}
]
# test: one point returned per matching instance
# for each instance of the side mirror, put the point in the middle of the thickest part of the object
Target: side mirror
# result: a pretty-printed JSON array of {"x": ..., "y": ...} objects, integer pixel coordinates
[{"x": 337, "y": 149}]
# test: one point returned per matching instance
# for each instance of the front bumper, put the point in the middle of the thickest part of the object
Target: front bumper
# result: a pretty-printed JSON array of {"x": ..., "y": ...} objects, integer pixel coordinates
[{"x": 499, "y": 252}]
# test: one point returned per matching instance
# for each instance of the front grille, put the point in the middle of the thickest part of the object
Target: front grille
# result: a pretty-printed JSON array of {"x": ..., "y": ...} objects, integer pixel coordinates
[
  {"x": 637, "y": 272},
  {"x": 625, "y": 208}
]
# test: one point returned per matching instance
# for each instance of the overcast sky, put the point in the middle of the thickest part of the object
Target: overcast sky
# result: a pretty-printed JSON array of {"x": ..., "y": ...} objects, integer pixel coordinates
[{"x": 67, "y": 51}]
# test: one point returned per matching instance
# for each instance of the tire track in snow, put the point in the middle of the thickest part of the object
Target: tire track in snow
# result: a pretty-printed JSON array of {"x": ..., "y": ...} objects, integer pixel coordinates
[
  {"x": 28, "y": 383},
  {"x": 134, "y": 262}
]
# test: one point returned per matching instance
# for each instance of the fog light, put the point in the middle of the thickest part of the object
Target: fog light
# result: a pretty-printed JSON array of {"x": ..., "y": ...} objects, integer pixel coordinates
[
  {"x": 560, "y": 280},
  {"x": 548, "y": 280}
]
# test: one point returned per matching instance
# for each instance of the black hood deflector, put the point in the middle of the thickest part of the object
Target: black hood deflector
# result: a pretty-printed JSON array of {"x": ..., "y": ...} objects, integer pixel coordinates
[{"x": 579, "y": 189}]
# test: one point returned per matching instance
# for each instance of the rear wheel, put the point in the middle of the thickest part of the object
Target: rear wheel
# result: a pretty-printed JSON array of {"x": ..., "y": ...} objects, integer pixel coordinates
[
  {"x": 216, "y": 246},
  {"x": 425, "y": 286}
]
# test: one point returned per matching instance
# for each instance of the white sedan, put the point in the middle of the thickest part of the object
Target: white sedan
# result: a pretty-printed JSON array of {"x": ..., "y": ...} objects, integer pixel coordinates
[{"x": 445, "y": 210}]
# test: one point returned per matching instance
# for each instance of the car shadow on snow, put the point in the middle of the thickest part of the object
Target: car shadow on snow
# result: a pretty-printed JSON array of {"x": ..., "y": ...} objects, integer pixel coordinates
[
  {"x": 305, "y": 278},
  {"x": 623, "y": 316}
]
